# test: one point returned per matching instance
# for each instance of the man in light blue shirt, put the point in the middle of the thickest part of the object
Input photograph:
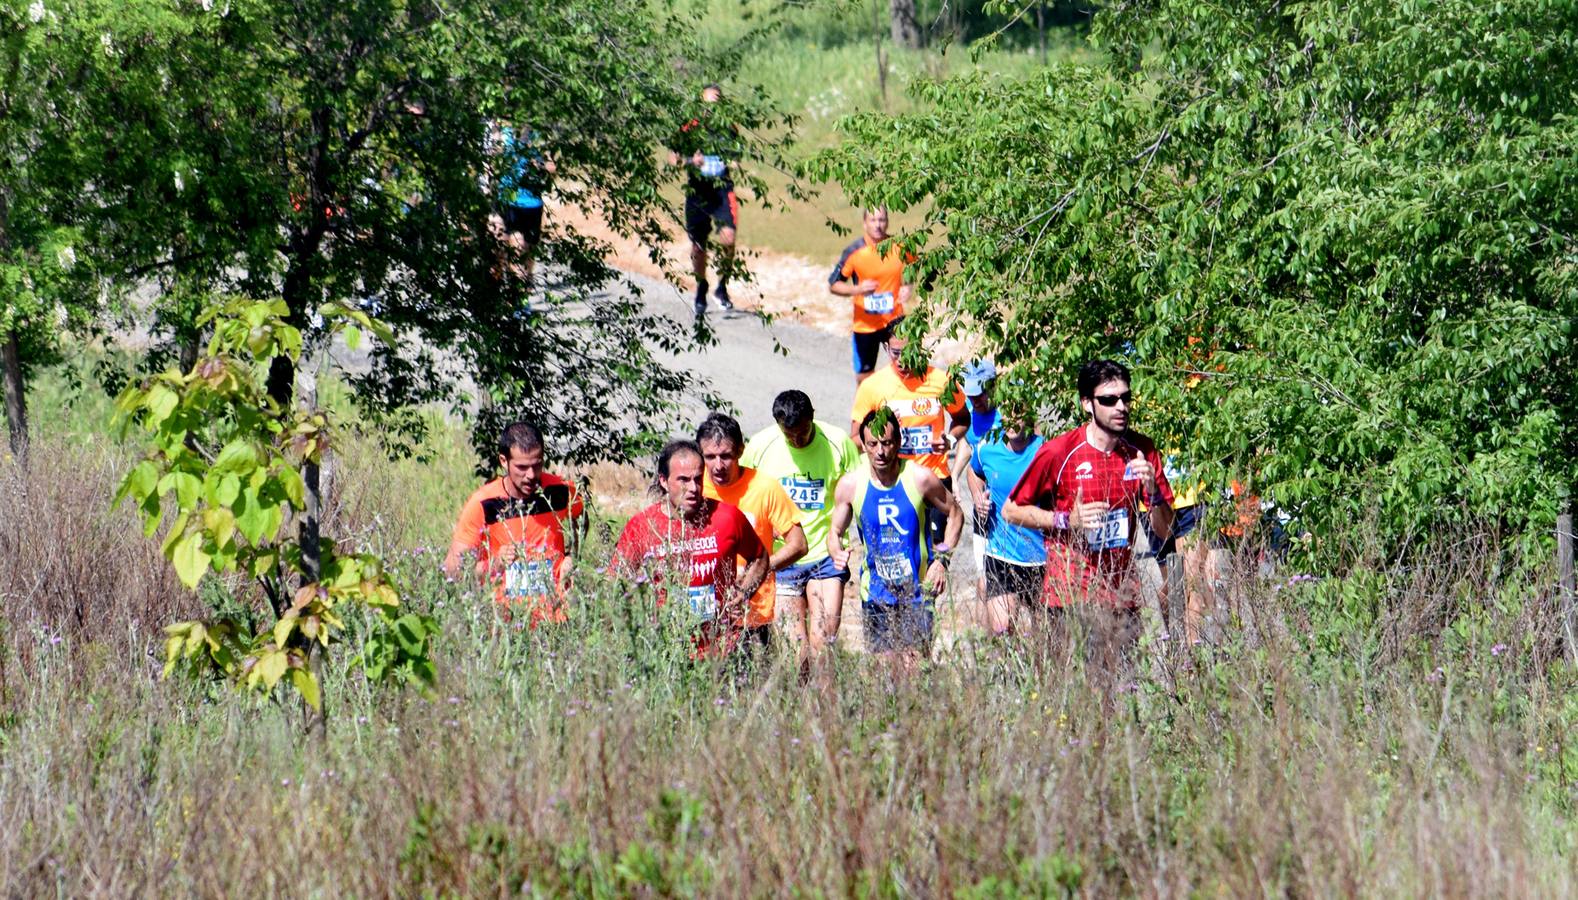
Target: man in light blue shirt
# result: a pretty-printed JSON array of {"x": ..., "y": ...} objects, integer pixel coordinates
[{"x": 1015, "y": 561}]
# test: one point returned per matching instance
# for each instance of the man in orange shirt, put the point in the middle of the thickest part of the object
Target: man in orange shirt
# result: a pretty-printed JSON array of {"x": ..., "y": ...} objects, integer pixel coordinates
[
  {"x": 931, "y": 413},
  {"x": 874, "y": 282},
  {"x": 766, "y": 505},
  {"x": 515, "y": 527}
]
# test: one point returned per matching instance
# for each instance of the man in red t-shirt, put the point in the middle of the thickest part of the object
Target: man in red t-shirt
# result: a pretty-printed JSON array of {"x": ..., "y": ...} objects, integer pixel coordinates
[
  {"x": 686, "y": 533},
  {"x": 1084, "y": 489},
  {"x": 515, "y": 527}
]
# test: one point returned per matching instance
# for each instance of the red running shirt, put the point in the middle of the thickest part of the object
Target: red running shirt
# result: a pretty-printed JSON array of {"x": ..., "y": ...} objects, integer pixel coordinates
[
  {"x": 1091, "y": 563},
  {"x": 653, "y": 547}
]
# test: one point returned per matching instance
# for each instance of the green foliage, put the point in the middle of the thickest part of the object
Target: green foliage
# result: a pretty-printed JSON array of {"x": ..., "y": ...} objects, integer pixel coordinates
[
  {"x": 222, "y": 475},
  {"x": 1335, "y": 243},
  {"x": 340, "y": 152}
]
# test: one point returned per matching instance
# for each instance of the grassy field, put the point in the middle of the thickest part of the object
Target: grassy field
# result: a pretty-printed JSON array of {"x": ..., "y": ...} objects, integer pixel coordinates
[
  {"x": 1313, "y": 751},
  {"x": 822, "y": 65}
]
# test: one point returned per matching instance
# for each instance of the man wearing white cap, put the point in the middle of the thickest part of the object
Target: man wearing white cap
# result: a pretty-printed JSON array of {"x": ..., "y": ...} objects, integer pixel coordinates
[{"x": 977, "y": 378}]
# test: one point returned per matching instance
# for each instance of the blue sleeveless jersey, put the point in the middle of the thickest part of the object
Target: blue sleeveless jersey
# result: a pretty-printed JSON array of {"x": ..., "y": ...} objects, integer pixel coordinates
[{"x": 892, "y": 523}]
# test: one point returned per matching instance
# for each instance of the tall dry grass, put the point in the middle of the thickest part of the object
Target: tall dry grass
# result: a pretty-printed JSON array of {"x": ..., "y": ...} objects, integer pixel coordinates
[{"x": 1295, "y": 758}]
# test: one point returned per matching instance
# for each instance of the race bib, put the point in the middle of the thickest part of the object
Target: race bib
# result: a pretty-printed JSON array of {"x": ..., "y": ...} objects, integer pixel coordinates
[
  {"x": 893, "y": 570},
  {"x": 704, "y": 602},
  {"x": 915, "y": 441},
  {"x": 878, "y": 304},
  {"x": 1112, "y": 533},
  {"x": 528, "y": 578},
  {"x": 807, "y": 493},
  {"x": 712, "y": 166}
]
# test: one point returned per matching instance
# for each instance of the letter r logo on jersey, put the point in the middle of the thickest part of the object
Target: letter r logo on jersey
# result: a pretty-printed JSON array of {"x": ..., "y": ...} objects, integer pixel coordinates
[{"x": 888, "y": 517}]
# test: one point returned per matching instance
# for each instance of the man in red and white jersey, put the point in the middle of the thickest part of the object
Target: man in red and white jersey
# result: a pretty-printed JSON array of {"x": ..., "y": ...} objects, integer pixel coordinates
[
  {"x": 1084, "y": 490},
  {"x": 697, "y": 541}
]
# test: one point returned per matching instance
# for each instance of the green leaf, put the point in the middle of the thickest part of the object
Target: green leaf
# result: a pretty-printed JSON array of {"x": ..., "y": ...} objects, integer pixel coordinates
[
  {"x": 160, "y": 402},
  {"x": 141, "y": 481},
  {"x": 353, "y": 337},
  {"x": 284, "y": 627},
  {"x": 270, "y": 668},
  {"x": 190, "y": 559},
  {"x": 187, "y": 487},
  {"x": 307, "y": 686},
  {"x": 237, "y": 457}
]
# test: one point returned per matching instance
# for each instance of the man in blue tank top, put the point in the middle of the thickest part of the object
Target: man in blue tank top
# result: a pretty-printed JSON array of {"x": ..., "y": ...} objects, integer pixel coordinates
[{"x": 886, "y": 497}]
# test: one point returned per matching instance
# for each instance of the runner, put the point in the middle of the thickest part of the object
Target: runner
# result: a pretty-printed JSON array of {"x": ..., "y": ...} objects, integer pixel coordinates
[
  {"x": 515, "y": 527},
  {"x": 979, "y": 380},
  {"x": 930, "y": 410},
  {"x": 807, "y": 457},
  {"x": 1015, "y": 556},
  {"x": 707, "y": 148},
  {"x": 904, "y": 570},
  {"x": 684, "y": 531},
  {"x": 525, "y": 178},
  {"x": 766, "y": 506},
  {"x": 1084, "y": 489},
  {"x": 874, "y": 282}
]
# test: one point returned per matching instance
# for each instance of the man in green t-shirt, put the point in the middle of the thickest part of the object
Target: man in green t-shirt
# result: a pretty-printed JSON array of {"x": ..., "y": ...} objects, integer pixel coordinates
[{"x": 808, "y": 458}]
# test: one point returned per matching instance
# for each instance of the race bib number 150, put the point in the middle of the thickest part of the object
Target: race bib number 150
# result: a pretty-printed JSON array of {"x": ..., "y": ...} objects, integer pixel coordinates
[{"x": 879, "y": 304}]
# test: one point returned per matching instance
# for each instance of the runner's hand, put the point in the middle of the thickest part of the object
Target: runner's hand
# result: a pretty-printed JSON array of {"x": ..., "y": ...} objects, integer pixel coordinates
[
  {"x": 868, "y": 286},
  {"x": 841, "y": 558},
  {"x": 983, "y": 504},
  {"x": 939, "y": 443},
  {"x": 936, "y": 578},
  {"x": 1087, "y": 515},
  {"x": 1141, "y": 467}
]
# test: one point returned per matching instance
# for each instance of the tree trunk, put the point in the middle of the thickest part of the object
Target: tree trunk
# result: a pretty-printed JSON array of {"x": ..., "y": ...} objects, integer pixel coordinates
[
  {"x": 11, "y": 359},
  {"x": 903, "y": 25},
  {"x": 15, "y": 394},
  {"x": 1041, "y": 29}
]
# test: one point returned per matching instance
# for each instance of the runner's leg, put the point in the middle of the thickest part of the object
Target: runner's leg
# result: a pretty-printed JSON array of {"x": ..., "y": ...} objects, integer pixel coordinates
[{"x": 824, "y": 613}]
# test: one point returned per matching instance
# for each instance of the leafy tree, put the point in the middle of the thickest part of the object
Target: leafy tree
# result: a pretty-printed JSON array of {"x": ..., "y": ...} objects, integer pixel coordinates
[
  {"x": 46, "y": 63},
  {"x": 224, "y": 462},
  {"x": 1336, "y": 242},
  {"x": 339, "y": 151}
]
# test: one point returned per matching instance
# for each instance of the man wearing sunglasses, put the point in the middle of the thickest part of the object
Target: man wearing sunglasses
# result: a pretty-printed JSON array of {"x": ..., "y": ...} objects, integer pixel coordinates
[{"x": 1084, "y": 490}]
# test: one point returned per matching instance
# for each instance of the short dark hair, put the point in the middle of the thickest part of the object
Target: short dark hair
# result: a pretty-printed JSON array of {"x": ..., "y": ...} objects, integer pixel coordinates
[
  {"x": 792, "y": 408},
  {"x": 1098, "y": 372},
  {"x": 676, "y": 447},
  {"x": 721, "y": 426},
  {"x": 522, "y": 436},
  {"x": 881, "y": 413},
  {"x": 891, "y": 328}
]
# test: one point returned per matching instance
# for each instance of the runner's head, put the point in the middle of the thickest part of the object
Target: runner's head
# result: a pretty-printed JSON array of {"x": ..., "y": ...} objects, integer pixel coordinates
[
  {"x": 521, "y": 457},
  {"x": 795, "y": 417},
  {"x": 979, "y": 381},
  {"x": 879, "y": 435},
  {"x": 679, "y": 476},
  {"x": 721, "y": 443},
  {"x": 1104, "y": 393},
  {"x": 875, "y": 223},
  {"x": 896, "y": 344}
]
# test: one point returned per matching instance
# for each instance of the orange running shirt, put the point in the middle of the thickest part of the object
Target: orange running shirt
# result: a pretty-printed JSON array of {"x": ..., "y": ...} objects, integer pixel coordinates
[
  {"x": 872, "y": 312},
  {"x": 924, "y": 406},
  {"x": 767, "y": 507},
  {"x": 492, "y": 520}
]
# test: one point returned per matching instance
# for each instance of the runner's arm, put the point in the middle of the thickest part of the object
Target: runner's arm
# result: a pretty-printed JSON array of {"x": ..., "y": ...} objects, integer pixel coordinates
[
  {"x": 942, "y": 499},
  {"x": 1033, "y": 517},
  {"x": 843, "y": 512},
  {"x": 794, "y": 547}
]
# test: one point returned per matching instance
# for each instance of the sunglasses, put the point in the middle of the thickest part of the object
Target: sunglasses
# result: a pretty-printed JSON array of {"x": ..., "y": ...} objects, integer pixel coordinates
[{"x": 1112, "y": 399}]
